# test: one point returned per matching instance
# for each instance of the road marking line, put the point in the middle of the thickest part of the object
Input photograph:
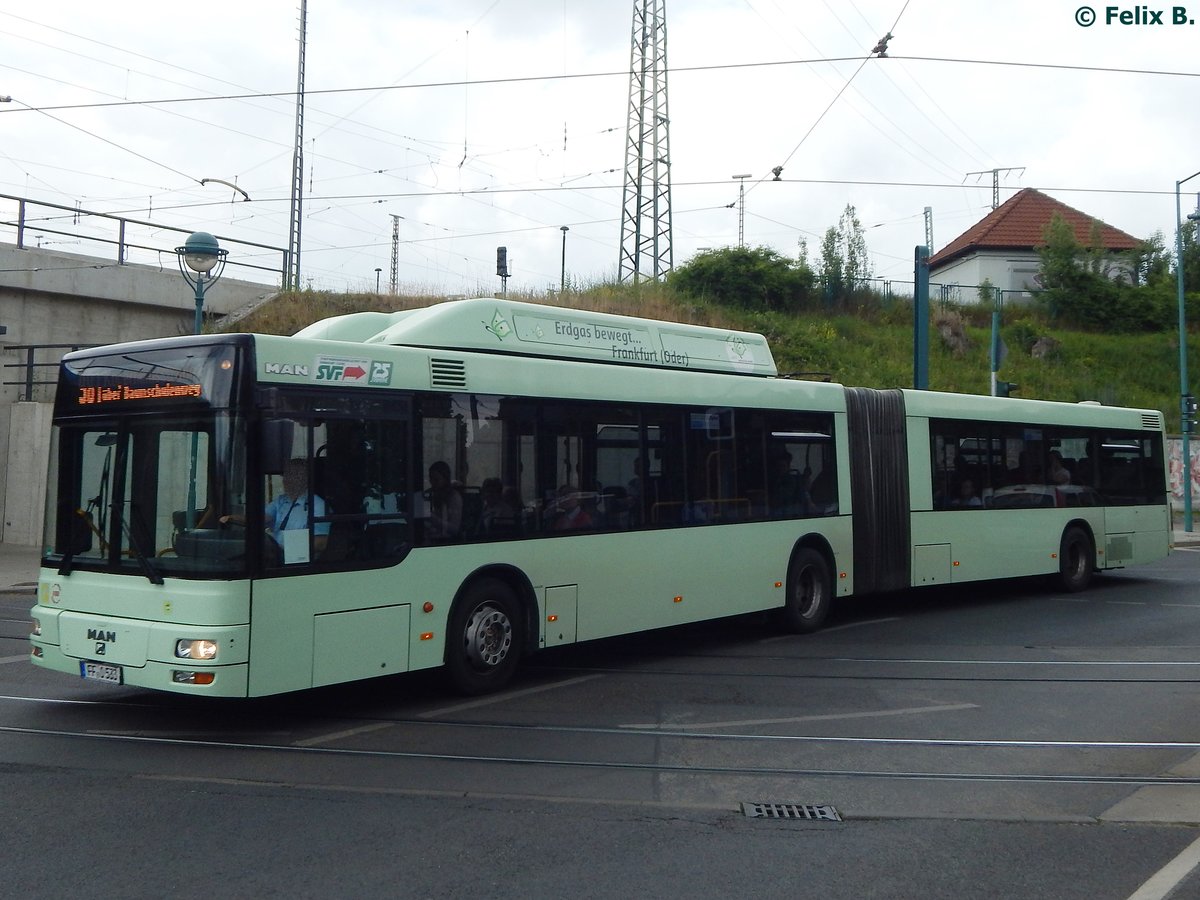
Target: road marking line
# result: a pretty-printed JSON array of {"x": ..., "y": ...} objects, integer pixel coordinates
[
  {"x": 1170, "y": 876},
  {"x": 792, "y": 637},
  {"x": 691, "y": 726},
  {"x": 13, "y": 659},
  {"x": 859, "y": 624},
  {"x": 500, "y": 698},
  {"x": 338, "y": 735}
]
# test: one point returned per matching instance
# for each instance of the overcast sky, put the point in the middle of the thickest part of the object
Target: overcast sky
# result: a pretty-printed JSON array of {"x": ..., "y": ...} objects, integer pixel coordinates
[{"x": 495, "y": 122}]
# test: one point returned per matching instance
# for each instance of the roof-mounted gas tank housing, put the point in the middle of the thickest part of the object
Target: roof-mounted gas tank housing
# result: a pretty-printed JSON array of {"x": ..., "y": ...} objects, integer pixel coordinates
[{"x": 528, "y": 329}]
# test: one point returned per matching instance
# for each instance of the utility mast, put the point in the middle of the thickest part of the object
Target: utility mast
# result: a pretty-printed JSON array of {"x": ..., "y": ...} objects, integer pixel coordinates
[
  {"x": 291, "y": 277},
  {"x": 646, "y": 207},
  {"x": 741, "y": 202},
  {"x": 395, "y": 280},
  {"x": 995, "y": 173}
]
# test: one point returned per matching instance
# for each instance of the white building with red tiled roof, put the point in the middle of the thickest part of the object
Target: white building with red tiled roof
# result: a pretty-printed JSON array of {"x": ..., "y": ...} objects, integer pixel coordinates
[{"x": 1003, "y": 246}]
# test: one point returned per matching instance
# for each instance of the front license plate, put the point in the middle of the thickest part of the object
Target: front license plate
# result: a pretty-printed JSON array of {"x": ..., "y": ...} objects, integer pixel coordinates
[{"x": 94, "y": 671}]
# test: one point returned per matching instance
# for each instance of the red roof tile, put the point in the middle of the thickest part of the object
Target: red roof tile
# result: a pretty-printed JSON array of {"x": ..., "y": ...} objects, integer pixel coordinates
[{"x": 1019, "y": 223}]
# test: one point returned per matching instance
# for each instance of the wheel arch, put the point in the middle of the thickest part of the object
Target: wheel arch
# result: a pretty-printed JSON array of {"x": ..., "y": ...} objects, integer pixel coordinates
[
  {"x": 1086, "y": 527},
  {"x": 518, "y": 582},
  {"x": 1076, "y": 565},
  {"x": 1082, "y": 524},
  {"x": 811, "y": 588},
  {"x": 814, "y": 540}
]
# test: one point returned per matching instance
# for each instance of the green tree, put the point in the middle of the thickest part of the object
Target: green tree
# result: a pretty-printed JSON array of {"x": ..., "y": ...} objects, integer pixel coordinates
[
  {"x": 1078, "y": 288},
  {"x": 830, "y": 271},
  {"x": 1072, "y": 289},
  {"x": 853, "y": 241},
  {"x": 1151, "y": 261},
  {"x": 845, "y": 265},
  {"x": 1191, "y": 256},
  {"x": 752, "y": 278},
  {"x": 987, "y": 294}
]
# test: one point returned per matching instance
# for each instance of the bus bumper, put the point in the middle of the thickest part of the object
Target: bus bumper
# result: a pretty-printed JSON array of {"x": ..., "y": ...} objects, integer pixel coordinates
[{"x": 109, "y": 650}]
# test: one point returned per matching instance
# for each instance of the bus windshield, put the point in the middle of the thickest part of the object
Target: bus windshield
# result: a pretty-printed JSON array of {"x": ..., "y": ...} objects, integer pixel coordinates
[
  {"x": 147, "y": 460},
  {"x": 146, "y": 496}
]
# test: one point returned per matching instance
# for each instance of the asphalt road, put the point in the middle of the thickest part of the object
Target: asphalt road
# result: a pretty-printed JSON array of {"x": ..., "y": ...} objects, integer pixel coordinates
[{"x": 996, "y": 741}]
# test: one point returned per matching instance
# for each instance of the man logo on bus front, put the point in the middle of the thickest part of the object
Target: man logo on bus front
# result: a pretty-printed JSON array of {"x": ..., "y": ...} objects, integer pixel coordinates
[{"x": 499, "y": 327}]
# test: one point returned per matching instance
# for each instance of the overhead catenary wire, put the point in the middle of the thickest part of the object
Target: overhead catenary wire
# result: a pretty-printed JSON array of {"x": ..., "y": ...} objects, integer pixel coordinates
[
  {"x": 519, "y": 79},
  {"x": 498, "y": 172}
]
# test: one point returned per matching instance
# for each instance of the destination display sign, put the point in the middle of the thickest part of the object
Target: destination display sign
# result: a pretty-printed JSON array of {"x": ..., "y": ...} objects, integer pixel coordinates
[
  {"x": 90, "y": 396},
  {"x": 152, "y": 379}
]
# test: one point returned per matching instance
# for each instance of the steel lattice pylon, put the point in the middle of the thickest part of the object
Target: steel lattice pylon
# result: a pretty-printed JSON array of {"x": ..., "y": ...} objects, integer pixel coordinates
[
  {"x": 394, "y": 281},
  {"x": 291, "y": 277},
  {"x": 646, "y": 207}
]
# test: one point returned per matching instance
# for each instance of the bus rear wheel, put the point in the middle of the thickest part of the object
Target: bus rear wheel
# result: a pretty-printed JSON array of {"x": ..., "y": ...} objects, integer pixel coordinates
[
  {"x": 809, "y": 592},
  {"x": 484, "y": 639},
  {"x": 1076, "y": 560}
]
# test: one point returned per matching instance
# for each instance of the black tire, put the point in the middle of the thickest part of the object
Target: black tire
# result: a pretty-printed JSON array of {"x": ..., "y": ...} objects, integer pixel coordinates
[
  {"x": 485, "y": 637},
  {"x": 809, "y": 592},
  {"x": 1076, "y": 560}
]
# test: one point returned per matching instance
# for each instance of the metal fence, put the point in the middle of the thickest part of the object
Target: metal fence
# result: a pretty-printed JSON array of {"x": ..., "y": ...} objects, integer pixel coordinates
[
  {"x": 128, "y": 240},
  {"x": 32, "y": 371}
]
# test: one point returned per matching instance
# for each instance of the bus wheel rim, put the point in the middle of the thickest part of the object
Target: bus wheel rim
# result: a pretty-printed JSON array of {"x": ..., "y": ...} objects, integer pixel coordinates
[
  {"x": 808, "y": 593},
  {"x": 488, "y": 637}
]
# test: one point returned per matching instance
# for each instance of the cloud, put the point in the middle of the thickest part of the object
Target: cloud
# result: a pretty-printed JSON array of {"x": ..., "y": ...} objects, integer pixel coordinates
[{"x": 492, "y": 122}]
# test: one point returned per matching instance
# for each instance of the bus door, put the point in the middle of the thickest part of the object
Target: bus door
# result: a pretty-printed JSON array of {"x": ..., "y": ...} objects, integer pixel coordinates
[{"x": 333, "y": 508}]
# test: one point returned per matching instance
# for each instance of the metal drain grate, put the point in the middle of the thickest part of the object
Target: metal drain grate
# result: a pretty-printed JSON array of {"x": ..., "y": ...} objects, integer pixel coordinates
[{"x": 790, "y": 811}]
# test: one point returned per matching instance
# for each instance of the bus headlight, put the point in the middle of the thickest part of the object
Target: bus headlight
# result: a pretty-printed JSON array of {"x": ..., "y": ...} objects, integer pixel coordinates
[
  {"x": 185, "y": 649},
  {"x": 36, "y": 631}
]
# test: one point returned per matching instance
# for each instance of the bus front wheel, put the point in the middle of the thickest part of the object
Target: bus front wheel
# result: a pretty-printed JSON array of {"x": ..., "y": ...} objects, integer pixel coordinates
[
  {"x": 483, "y": 641},
  {"x": 1076, "y": 560},
  {"x": 809, "y": 591}
]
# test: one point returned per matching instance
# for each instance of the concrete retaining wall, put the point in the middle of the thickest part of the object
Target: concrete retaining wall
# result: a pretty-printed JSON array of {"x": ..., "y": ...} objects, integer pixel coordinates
[{"x": 49, "y": 297}]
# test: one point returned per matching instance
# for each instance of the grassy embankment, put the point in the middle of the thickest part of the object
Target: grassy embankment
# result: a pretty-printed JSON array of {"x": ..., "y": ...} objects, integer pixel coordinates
[{"x": 870, "y": 349}]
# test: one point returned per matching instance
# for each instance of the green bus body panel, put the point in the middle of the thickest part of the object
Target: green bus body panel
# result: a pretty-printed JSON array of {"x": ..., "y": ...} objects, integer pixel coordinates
[
  {"x": 141, "y": 626},
  {"x": 933, "y": 404},
  {"x": 359, "y": 643},
  {"x": 620, "y": 586},
  {"x": 286, "y": 361},
  {"x": 528, "y": 329},
  {"x": 1000, "y": 543}
]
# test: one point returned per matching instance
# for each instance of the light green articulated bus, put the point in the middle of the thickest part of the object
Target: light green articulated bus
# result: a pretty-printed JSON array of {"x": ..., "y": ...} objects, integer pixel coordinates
[{"x": 458, "y": 486}]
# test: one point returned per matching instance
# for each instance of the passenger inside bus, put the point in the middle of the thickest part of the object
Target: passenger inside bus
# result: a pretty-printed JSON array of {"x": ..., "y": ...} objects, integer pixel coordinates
[
  {"x": 445, "y": 505},
  {"x": 967, "y": 497},
  {"x": 788, "y": 489},
  {"x": 567, "y": 512},
  {"x": 1058, "y": 473},
  {"x": 497, "y": 517}
]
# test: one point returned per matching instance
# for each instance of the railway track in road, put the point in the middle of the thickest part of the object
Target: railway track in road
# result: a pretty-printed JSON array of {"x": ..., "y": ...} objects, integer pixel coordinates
[{"x": 358, "y": 738}]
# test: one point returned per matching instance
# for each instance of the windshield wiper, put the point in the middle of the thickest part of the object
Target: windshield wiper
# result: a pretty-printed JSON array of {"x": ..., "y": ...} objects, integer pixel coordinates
[{"x": 148, "y": 569}]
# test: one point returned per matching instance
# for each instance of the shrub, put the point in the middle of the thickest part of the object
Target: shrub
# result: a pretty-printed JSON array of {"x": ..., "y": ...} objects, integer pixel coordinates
[{"x": 754, "y": 279}]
